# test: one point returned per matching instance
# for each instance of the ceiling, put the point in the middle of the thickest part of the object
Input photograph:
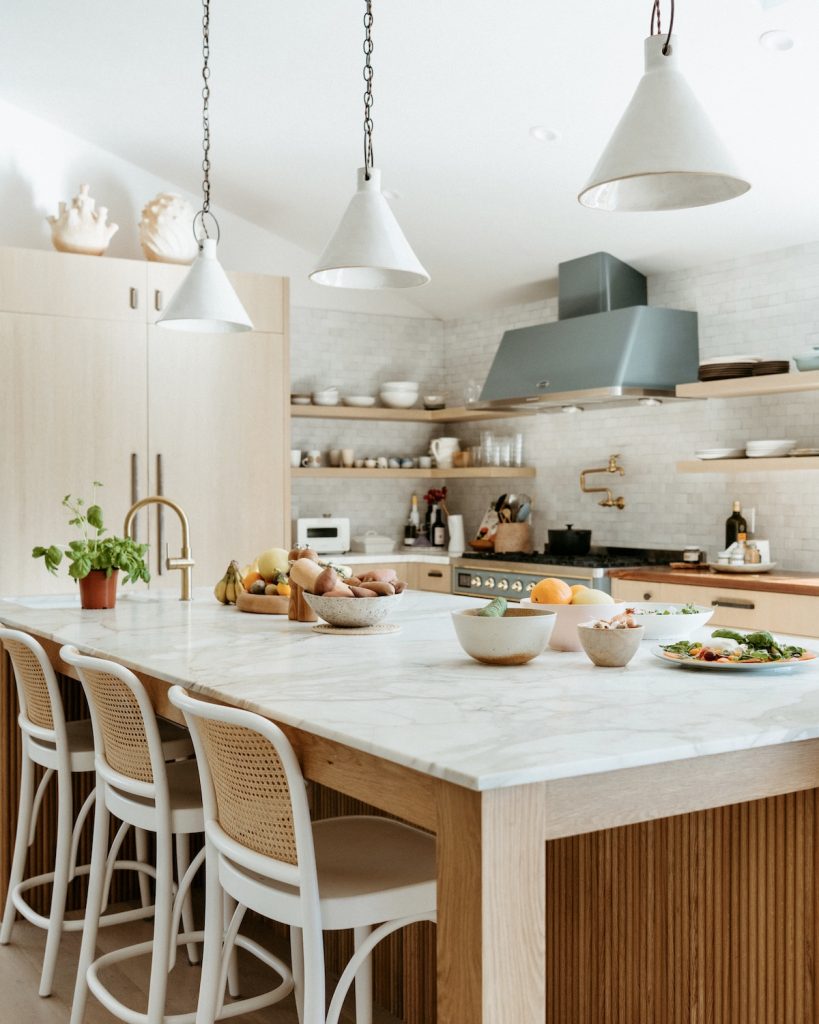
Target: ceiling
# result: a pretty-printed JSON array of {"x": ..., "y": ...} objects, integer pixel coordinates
[{"x": 458, "y": 84}]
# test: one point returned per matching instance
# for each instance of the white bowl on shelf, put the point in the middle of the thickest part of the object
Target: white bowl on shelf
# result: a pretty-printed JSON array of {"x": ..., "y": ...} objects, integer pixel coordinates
[
  {"x": 399, "y": 399},
  {"x": 359, "y": 401},
  {"x": 401, "y": 385},
  {"x": 326, "y": 396}
]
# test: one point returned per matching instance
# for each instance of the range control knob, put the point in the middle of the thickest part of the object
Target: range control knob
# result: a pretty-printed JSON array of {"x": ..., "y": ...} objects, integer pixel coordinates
[
  {"x": 503, "y": 584},
  {"x": 489, "y": 582},
  {"x": 530, "y": 587},
  {"x": 517, "y": 586},
  {"x": 475, "y": 581}
]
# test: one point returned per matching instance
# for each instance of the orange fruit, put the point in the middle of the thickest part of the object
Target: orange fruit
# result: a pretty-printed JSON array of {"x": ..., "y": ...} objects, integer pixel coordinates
[
  {"x": 551, "y": 591},
  {"x": 251, "y": 579}
]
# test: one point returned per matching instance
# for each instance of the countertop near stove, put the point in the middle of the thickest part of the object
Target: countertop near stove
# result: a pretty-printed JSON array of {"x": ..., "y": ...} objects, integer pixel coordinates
[{"x": 803, "y": 584}]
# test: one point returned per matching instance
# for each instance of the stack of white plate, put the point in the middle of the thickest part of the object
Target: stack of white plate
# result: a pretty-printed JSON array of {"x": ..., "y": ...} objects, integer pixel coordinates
[
  {"x": 399, "y": 394},
  {"x": 769, "y": 449},
  {"x": 720, "y": 453}
]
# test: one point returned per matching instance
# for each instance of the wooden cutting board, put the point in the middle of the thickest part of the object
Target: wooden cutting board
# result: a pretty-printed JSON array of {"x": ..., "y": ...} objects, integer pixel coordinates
[{"x": 263, "y": 604}]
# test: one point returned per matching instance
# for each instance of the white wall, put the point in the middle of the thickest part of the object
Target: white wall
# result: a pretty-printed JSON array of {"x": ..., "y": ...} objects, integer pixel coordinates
[
  {"x": 40, "y": 164},
  {"x": 766, "y": 305}
]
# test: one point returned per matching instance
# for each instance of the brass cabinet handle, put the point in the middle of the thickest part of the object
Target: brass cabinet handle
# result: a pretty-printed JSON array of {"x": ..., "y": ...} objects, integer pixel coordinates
[
  {"x": 160, "y": 522},
  {"x": 732, "y": 602},
  {"x": 436, "y": 573},
  {"x": 647, "y": 596},
  {"x": 157, "y": 300},
  {"x": 135, "y": 298},
  {"x": 134, "y": 490}
]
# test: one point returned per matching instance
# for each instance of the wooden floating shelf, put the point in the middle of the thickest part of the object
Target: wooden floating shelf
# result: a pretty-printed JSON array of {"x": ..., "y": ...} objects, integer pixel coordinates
[
  {"x": 455, "y": 414},
  {"x": 747, "y": 387},
  {"x": 747, "y": 465},
  {"x": 473, "y": 472}
]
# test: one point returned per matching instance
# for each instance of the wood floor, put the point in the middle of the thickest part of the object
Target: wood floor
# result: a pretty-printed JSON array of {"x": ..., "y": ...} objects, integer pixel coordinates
[{"x": 20, "y": 964}]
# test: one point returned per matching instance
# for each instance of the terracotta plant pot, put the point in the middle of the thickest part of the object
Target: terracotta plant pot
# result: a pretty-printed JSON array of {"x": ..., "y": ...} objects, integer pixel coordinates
[{"x": 98, "y": 590}]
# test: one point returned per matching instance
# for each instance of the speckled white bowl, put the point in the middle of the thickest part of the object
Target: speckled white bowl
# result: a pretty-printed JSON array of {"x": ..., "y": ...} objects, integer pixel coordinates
[
  {"x": 512, "y": 639},
  {"x": 610, "y": 648},
  {"x": 352, "y": 612}
]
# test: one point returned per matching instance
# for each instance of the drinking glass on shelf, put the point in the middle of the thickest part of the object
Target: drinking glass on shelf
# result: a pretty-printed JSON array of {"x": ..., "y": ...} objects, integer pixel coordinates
[
  {"x": 517, "y": 450},
  {"x": 487, "y": 448},
  {"x": 472, "y": 392},
  {"x": 504, "y": 451},
  {"x": 476, "y": 453}
]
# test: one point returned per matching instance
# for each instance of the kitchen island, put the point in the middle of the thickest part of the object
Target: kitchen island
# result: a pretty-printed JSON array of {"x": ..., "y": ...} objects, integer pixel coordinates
[{"x": 614, "y": 845}]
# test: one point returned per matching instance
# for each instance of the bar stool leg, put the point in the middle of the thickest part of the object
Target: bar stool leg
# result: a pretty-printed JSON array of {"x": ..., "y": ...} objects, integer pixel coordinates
[
  {"x": 363, "y": 981},
  {"x": 62, "y": 867},
  {"x": 93, "y": 905},
  {"x": 141, "y": 839},
  {"x": 18, "y": 863},
  {"x": 228, "y": 907},
  {"x": 183, "y": 859},
  {"x": 212, "y": 950},
  {"x": 297, "y": 967},
  {"x": 163, "y": 921}
]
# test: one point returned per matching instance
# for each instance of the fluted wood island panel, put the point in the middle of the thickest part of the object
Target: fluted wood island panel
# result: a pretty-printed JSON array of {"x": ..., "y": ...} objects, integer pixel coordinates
[{"x": 680, "y": 868}]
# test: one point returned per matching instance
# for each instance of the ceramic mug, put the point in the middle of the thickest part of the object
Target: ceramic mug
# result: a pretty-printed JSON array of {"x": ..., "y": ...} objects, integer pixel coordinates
[
  {"x": 348, "y": 457},
  {"x": 424, "y": 462},
  {"x": 335, "y": 456},
  {"x": 370, "y": 463},
  {"x": 382, "y": 462},
  {"x": 295, "y": 457},
  {"x": 312, "y": 460},
  {"x": 443, "y": 449},
  {"x": 359, "y": 463}
]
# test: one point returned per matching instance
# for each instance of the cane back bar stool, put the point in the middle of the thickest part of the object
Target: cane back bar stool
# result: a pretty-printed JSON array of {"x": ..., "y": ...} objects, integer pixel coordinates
[
  {"x": 136, "y": 785},
  {"x": 354, "y": 872},
  {"x": 61, "y": 748}
]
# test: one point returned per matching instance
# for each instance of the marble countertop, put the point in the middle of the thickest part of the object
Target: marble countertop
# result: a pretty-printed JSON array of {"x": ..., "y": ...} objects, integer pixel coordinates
[{"x": 415, "y": 698}]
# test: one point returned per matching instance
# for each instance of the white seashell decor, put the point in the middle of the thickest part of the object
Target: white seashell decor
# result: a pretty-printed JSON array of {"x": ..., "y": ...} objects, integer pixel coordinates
[
  {"x": 81, "y": 228},
  {"x": 166, "y": 229}
]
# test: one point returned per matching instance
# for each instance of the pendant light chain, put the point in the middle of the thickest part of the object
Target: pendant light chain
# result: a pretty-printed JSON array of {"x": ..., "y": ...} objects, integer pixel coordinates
[
  {"x": 201, "y": 219},
  {"x": 655, "y": 16},
  {"x": 368, "y": 91}
]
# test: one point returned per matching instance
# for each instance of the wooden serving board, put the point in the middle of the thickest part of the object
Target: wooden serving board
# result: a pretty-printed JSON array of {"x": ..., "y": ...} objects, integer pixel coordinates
[{"x": 263, "y": 604}]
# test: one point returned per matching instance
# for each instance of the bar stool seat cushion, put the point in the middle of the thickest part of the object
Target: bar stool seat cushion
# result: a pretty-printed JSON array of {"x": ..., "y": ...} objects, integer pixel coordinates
[{"x": 185, "y": 801}]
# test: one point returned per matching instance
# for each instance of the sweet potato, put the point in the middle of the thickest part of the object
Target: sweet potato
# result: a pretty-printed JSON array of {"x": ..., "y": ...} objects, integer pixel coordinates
[
  {"x": 362, "y": 591},
  {"x": 381, "y": 588}
]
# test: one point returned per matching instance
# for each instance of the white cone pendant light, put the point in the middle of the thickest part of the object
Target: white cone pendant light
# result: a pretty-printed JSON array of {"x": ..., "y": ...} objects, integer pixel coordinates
[
  {"x": 205, "y": 301},
  {"x": 664, "y": 154},
  {"x": 368, "y": 249}
]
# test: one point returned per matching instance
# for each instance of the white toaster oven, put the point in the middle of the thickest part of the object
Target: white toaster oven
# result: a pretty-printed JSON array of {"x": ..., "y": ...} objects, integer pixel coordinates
[{"x": 326, "y": 535}]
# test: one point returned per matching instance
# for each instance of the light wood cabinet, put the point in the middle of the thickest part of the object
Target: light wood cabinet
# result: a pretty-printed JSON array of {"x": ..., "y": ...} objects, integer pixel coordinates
[
  {"x": 73, "y": 410},
  {"x": 417, "y": 575},
  {"x": 89, "y": 381},
  {"x": 432, "y": 576},
  {"x": 635, "y": 590}
]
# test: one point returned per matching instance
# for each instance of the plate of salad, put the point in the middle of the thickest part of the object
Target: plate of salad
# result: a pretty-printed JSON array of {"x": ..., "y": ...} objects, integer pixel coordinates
[{"x": 733, "y": 651}]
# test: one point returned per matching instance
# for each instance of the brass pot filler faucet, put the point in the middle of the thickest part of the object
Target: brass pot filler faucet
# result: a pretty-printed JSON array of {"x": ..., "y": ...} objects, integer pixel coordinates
[{"x": 608, "y": 501}]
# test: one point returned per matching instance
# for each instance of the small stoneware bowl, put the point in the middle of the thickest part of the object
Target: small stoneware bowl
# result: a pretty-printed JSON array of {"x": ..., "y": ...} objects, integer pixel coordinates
[
  {"x": 352, "y": 612},
  {"x": 564, "y": 637},
  {"x": 512, "y": 639},
  {"x": 610, "y": 648}
]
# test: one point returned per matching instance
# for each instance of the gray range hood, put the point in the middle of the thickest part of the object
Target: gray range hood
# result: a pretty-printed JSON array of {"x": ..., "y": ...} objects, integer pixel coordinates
[{"x": 607, "y": 347}]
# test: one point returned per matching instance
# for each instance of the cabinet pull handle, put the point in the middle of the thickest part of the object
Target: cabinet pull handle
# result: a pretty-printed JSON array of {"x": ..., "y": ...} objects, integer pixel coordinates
[
  {"x": 135, "y": 298},
  {"x": 647, "y": 595},
  {"x": 732, "y": 602},
  {"x": 160, "y": 521},
  {"x": 134, "y": 490},
  {"x": 157, "y": 300},
  {"x": 436, "y": 573}
]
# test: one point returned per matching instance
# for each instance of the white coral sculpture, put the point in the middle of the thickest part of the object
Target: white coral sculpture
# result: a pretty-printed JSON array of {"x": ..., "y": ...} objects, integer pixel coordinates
[
  {"x": 80, "y": 227},
  {"x": 166, "y": 229}
]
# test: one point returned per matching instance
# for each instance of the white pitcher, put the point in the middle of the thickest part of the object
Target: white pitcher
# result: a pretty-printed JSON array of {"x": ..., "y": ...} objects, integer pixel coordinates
[{"x": 442, "y": 449}]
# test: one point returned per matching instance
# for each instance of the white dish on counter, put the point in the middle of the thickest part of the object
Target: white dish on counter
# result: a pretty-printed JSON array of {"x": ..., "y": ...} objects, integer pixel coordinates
[
  {"x": 809, "y": 658},
  {"x": 674, "y": 626},
  {"x": 359, "y": 401},
  {"x": 748, "y": 567},
  {"x": 569, "y": 616}
]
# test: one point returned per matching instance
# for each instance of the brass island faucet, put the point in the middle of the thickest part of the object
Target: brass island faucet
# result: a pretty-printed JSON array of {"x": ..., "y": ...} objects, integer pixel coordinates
[
  {"x": 184, "y": 562},
  {"x": 608, "y": 501}
]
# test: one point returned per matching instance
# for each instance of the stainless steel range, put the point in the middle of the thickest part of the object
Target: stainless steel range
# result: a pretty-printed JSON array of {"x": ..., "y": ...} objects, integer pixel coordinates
[{"x": 513, "y": 575}]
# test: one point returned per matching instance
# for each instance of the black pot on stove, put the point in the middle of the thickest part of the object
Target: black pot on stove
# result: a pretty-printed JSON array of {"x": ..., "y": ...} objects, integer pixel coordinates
[{"x": 569, "y": 541}]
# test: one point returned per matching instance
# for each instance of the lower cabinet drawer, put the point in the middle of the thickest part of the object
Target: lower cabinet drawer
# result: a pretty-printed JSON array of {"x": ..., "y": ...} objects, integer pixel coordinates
[
  {"x": 636, "y": 590},
  {"x": 434, "y": 577}
]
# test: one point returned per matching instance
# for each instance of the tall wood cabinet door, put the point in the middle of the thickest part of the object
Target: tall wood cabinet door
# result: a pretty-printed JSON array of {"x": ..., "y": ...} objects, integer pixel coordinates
[
  {"x": 72, "y": 410},
  {"x": 67, "y": 285},
  {"x": 264, "y": 297},
  {"x": 219, "y": 426}
]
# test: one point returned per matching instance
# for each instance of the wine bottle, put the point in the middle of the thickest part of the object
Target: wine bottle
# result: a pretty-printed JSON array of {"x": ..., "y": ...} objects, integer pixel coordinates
[
  {"x": 413, "y": 522},
  {"x": 438, "y": 537},
  {"x": 736, "y": 528}
]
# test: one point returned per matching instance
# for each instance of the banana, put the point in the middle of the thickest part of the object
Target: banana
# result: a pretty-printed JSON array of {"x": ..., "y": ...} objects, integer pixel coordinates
[
  {"x": 220, "y": 590},
  {"x": 230, "y": 585}
]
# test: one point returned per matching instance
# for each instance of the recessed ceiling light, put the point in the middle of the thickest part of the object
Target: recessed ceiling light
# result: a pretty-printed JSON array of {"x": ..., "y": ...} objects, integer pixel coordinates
[
  {"x": 777, "y": 40},
  {"x": 544, "y": 134}
]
